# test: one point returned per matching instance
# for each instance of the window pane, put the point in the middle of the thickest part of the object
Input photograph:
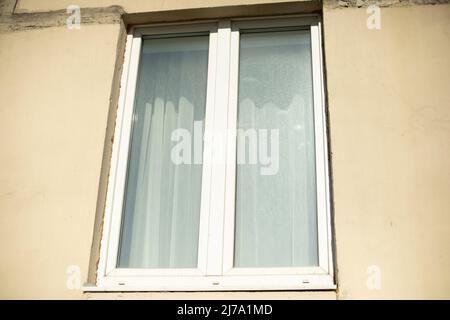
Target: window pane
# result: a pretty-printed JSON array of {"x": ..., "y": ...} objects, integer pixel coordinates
[
  {"x": 276, "y": 224},
  {"x": 162, "y": 199}
]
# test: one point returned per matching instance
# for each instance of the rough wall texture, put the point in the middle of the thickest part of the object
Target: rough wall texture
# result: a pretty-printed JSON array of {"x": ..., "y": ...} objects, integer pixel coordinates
[
  {"x": 7, "y": 7},
  {"x": 380, "y": 3},
  {"x": 39, "y": 20},
  {"x": 389, "y": 130}
]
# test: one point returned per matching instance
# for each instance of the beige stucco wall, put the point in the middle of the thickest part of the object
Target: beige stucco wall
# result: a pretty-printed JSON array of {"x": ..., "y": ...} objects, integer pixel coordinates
[
  {"x": 389, "y": 104},
  {"x": 55, "y": 86}
]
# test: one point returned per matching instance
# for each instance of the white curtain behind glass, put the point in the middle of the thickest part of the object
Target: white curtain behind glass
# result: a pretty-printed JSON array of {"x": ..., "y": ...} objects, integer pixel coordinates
[
  {"x": 276, "y": 214},
  {"x": 162, "y": 199}
]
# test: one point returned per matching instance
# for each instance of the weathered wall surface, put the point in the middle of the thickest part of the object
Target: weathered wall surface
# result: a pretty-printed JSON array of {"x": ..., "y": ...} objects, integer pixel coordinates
[{"x": 389, "y": 105}]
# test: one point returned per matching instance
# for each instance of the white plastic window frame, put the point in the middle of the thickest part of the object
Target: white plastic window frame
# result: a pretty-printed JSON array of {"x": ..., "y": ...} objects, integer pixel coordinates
[{"x": 215, "y": 271}]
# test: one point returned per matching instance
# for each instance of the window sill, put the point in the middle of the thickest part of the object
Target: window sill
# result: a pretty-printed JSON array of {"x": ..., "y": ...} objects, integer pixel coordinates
[{"x": 211, "y": 283}]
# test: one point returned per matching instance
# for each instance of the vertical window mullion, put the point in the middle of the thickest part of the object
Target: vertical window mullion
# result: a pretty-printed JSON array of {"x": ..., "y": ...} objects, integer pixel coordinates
[
  {"x": 124, "y": 144},
  {"x": 321, "y": 152},
  {"x": 230, "y": 191},
  {"x": 207, "y": 153},
  {"x": 218, "y": 135}
]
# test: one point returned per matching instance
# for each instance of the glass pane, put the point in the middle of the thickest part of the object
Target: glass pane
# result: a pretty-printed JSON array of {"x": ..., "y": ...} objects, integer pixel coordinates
[
  {"x": 276, "y": 223},
  {"x": 162, "y": 197}
]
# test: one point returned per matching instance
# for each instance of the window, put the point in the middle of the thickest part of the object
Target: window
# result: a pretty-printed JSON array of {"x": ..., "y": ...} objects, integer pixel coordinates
[{"x": 219, "y": 176}]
